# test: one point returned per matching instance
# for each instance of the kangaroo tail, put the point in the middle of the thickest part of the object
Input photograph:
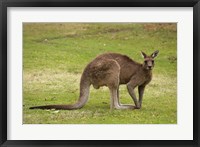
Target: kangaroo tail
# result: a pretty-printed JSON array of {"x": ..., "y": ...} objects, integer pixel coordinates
[
  {"x": 60, "y": 107},
  {"x": 83, "y": 98}
]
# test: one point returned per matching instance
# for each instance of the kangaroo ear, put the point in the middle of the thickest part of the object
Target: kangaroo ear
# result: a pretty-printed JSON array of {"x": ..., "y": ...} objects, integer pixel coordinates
[
  {"x": 143, "y": 54},
  {"x": 153, "y": 55}
]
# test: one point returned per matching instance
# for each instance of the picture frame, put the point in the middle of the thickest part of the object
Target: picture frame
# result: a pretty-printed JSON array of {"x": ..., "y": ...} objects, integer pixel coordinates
[{"x": 99, "y": 3}]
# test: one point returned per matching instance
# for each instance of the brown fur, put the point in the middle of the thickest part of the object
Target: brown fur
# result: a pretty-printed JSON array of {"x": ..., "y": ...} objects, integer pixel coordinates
[{"x": 111, "y": 70}]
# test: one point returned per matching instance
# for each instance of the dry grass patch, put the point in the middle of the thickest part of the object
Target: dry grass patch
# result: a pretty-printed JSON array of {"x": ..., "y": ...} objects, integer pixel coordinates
[{"x": 51, "y": 80}]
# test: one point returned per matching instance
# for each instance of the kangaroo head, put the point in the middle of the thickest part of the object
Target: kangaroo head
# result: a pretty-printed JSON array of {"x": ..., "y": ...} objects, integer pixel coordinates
[{"x": 149, "y": 60}]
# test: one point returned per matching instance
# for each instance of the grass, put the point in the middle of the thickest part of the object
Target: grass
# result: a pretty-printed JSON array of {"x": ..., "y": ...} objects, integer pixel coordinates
[{"x": 55, "y": 54}]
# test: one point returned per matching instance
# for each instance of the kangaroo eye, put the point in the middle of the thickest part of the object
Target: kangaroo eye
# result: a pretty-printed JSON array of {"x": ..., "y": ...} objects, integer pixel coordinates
[{"x": 152, "y": 61}]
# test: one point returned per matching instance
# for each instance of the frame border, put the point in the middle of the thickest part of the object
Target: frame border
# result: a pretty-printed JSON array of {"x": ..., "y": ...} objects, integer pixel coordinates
[{"x": 98, "y": 3}]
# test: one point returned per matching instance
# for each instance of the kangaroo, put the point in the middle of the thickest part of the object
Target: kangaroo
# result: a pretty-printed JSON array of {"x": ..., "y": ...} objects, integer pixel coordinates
[{"x": 112, "y": 70}]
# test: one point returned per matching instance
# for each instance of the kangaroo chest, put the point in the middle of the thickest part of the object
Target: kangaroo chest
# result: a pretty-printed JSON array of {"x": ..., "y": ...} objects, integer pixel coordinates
[{"x": 142, "y": 78}]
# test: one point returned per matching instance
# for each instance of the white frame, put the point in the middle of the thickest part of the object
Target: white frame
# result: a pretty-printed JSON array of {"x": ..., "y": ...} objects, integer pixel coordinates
[{"x": 183, "y": 130}]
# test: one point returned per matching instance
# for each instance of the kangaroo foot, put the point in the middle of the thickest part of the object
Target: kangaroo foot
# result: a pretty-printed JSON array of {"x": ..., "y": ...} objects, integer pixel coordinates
[{"x": 124, "y": 107}]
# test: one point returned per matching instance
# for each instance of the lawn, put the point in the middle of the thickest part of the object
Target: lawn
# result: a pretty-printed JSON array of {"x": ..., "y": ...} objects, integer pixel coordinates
[{"x": 55, "y": 54}]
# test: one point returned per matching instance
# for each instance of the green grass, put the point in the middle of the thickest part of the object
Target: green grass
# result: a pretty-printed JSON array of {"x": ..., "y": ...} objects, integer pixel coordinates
[{"x": 54, "y": 56}]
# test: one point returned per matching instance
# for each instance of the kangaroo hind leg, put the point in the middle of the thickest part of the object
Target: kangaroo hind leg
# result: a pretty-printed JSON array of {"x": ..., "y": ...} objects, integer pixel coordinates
[{"x": 112, "y": 81}]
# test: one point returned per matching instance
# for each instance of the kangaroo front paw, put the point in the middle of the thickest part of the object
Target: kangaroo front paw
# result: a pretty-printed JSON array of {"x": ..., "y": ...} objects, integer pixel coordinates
[{"x": 137, "y": 107}]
